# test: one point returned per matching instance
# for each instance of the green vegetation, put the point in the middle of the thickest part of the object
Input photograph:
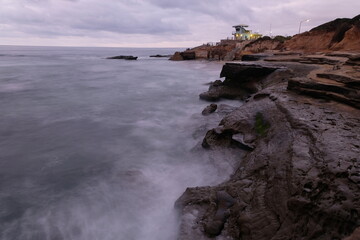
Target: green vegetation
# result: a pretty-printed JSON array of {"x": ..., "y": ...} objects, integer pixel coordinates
[
  {"x": 281, "y": 38},
  {"x": 261, "y": 125}
]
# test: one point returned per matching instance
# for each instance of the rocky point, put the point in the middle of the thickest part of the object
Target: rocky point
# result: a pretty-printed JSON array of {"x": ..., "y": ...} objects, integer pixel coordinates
[{"x": 297, "y": 138}]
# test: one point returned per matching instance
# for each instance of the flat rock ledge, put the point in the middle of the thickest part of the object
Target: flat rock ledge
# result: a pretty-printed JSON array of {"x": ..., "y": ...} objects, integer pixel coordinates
[
  {"x": 300, "y": 174},
  {"x": 241, "y": 80}
]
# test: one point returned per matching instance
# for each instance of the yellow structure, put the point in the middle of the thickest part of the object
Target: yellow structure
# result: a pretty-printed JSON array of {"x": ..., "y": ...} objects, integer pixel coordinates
[{"x": 242, "y": 34}]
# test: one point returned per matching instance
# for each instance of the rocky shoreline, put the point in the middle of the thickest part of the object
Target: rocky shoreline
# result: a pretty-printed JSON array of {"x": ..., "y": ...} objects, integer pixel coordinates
[{"x": 299, "y": 133}]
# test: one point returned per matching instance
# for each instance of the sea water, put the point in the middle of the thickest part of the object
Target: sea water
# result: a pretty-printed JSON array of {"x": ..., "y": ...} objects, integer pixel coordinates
[{"x": 92, "y": 148}]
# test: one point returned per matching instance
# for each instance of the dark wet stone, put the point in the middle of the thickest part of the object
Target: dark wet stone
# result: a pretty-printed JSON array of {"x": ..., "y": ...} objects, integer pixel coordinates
[
  {"x": 123, "y": 57},
  {"x": 209, "y": 109}
]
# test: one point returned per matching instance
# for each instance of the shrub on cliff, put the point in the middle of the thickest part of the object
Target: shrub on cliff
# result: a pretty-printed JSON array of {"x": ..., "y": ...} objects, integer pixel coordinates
[{"x": 281, "y": 39}]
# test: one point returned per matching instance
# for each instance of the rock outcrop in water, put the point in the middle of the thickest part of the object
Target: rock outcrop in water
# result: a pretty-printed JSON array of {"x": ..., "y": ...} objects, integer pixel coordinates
[
  {"x": 300, "y": 176},
  {"x": 124, "y": 57}
]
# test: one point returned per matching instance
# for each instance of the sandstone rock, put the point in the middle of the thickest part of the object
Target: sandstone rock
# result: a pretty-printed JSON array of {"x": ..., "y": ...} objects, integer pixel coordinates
[
  {"x": 327, "y": 91},
  {"x": 201, "y": 54},
  {"x": 263, "y": 44},
  {"x": 188, "y": 55},
  {"x": 176, "y": 57},
  {"x": 339, "y": 35},
  {"x": 354, "y": 60},
  {"x": 322, "y": 59},
  {"x": 348, "y": 81}
]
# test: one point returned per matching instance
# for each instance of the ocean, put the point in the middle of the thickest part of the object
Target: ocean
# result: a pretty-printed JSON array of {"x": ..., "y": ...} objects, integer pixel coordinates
[{"x": 92, "y": 148}]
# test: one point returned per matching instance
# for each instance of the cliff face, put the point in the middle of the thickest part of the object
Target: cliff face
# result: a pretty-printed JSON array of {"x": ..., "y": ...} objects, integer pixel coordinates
[
  {"x": 300, "y": 174},
  {"x": 341, "y": 34}
]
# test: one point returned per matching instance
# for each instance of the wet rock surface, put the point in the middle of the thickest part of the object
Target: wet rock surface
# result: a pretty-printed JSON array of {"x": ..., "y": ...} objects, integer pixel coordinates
[
  {"x": 209, "y": 109},
  {"x": 299, "y": 177}
]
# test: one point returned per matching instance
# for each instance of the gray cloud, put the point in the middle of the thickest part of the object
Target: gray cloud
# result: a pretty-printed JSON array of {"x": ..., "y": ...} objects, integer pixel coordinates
[{"x": 150, "y": 21}]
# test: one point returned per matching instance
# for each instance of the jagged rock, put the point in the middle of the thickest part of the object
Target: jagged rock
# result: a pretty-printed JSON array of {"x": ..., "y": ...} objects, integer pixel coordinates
[
  {"x": 209, "y": 109},
  {"x": 123, "y": 57}
]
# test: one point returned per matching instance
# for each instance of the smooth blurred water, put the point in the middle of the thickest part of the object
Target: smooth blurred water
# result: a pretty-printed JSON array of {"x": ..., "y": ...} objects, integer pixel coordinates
[{"x": 92, "y": 148}]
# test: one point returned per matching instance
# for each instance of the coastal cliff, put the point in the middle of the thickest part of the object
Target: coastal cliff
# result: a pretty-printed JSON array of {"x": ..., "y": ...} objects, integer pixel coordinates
[
  {"x": 299, "y": 131},
  {"x": 299, "y": 177},
  {"x": 342, "y": 34}
]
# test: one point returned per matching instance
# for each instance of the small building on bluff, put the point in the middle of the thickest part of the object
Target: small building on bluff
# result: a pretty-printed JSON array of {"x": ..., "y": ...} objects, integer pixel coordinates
[{"x": 242, "y": 34}]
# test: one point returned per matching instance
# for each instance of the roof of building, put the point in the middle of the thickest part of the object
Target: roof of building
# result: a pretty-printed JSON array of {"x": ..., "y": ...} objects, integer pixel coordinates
[{"x": 241, "y": 25}]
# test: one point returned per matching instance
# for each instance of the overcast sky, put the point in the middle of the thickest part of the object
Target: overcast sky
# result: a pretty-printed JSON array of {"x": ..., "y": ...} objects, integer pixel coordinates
[{"x": 157, "y": 23}]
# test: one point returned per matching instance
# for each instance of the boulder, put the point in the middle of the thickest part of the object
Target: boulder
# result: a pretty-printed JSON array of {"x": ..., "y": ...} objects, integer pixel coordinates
[{"x": 209, "y": 109}]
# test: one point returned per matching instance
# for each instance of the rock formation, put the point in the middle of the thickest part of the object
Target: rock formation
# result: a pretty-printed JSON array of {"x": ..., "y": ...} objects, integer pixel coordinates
[{"x": 299, "y": 130}]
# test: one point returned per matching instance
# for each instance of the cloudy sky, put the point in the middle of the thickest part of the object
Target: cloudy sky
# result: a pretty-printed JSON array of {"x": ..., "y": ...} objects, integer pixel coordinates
[{"x": 157, "y": 23}]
